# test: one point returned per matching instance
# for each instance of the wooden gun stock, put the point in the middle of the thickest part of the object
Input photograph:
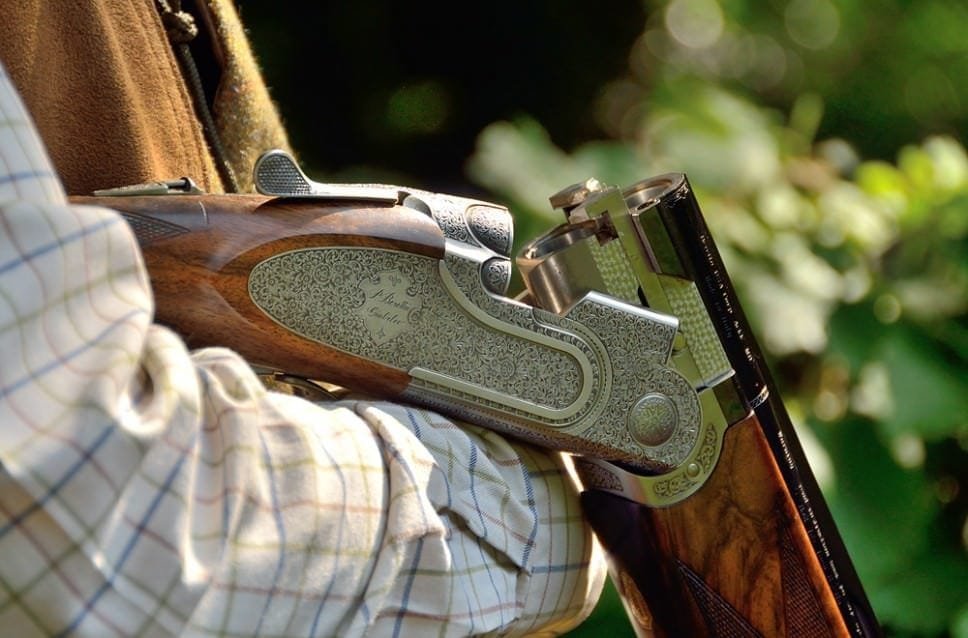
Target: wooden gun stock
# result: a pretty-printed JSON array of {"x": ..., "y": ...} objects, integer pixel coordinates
[
  {"x": 734, "y": 559},
  {"x": 735, "y": 541},
  {"x": 200, "y": 249}
]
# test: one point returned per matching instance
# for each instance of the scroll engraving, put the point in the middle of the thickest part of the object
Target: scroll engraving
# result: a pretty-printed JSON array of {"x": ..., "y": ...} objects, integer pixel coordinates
[
  {"x": 389, "y": 306},
  {"x": 463, "y": 346}
]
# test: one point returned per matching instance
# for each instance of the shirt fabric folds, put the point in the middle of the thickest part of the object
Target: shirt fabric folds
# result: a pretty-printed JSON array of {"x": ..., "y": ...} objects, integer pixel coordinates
[{"x": 146, "y": 490}]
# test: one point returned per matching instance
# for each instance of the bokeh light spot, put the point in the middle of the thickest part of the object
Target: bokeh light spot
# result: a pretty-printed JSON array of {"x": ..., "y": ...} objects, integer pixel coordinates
[
  {"x": 887, "y": 308},
  {"x": 813, "y": 24},
  {"x": 418, "y": 109},
  {"x": 694, "y": 23},
  {"x": 930, "y": 94}
]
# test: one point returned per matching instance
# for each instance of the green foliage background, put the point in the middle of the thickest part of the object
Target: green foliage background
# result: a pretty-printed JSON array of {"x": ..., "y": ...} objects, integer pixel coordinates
[
  {"x": 853, "y": 270},
  {"x": 824, "y": 139}
]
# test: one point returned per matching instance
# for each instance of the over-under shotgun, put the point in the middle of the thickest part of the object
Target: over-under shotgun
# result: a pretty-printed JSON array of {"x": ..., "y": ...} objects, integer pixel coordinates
[{"x": 628, "y": 348}]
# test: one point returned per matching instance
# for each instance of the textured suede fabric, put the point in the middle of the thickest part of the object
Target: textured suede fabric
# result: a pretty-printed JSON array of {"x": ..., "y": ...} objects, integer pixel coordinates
[
  {"x": 110, "y": 101},
  {"x": 245, "y": 116}
]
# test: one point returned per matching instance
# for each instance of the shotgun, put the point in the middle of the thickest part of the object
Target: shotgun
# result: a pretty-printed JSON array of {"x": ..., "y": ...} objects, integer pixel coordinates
[{"x": 627, "y": 348}]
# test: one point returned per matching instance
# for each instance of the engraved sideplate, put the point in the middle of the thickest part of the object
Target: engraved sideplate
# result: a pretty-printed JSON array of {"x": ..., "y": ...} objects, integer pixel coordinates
[
  {"x": 471, "y": 352},
  {"x": 390, "y": 307}
]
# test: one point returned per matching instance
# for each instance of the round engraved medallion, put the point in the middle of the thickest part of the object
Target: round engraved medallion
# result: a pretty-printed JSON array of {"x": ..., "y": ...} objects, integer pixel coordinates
[{"x": 652, "y": 419}]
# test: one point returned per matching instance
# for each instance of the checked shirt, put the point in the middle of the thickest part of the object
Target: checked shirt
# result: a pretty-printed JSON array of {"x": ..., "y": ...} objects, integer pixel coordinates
[{"x": 146, "y": 490}]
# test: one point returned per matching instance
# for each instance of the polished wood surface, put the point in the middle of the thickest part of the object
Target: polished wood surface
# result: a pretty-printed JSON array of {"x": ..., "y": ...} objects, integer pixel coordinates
[
  {"x": 199, "y": 251},
  {"x": 731, "y": 560}
]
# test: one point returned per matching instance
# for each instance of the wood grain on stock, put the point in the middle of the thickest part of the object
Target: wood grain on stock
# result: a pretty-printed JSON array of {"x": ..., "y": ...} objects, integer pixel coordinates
[
  {"x": 731, "y": 560},
  {"x": 200, "y": 249}
]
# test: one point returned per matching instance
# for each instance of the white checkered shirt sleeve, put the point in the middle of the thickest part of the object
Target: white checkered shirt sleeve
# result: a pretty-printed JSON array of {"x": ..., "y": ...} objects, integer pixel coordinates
[{"x": 146, "y": 490}]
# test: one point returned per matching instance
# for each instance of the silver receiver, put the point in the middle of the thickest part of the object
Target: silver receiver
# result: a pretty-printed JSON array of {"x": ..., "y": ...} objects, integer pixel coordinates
[{"x": 581, "y": 364}]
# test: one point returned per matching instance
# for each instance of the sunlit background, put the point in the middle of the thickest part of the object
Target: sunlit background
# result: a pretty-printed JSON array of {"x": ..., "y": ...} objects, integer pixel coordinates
[{"x": 825, "y": 141}]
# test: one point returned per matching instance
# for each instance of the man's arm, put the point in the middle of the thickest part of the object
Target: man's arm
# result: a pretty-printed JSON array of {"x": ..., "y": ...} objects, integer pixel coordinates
[{"x": 148, "y": 489}]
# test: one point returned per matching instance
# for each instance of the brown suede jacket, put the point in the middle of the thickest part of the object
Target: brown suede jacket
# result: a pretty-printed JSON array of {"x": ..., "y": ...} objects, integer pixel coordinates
[{"x": 106, "y": 84}]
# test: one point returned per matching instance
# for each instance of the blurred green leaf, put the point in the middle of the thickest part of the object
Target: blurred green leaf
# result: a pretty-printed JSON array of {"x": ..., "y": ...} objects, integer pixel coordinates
[
  {"x": 959, "y": 627},
  {"x": 608, "y": 618},
  {"x": 519, "y": 160},
  {"x": 853, "y": 271},
  {"x": 883, "y": 511},
  {"x": 923, "y": 598},
  {"x": 886, "y": 183},
  {"x": 931, "y": 396},
  {"x": 917, "y": 166}
]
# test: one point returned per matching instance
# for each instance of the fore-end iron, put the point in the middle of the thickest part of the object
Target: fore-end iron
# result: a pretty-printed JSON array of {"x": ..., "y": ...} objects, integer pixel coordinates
[{"x": 628, "y": 348}]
